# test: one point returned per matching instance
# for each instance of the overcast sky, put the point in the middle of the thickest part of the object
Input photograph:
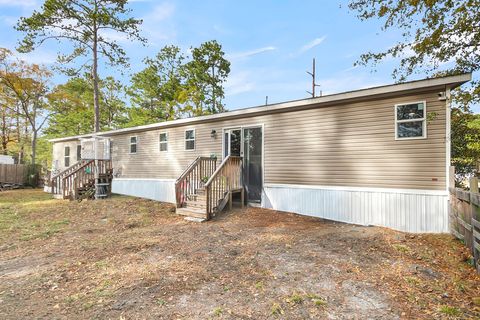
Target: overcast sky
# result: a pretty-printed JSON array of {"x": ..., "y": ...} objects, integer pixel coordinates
[{"x": 270, "y": 43}]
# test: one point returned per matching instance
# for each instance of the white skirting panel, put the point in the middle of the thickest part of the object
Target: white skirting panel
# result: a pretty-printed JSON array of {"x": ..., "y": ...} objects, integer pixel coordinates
[
  {"x": 401, "y": 209},
  {"x": 155, "y": 189}
]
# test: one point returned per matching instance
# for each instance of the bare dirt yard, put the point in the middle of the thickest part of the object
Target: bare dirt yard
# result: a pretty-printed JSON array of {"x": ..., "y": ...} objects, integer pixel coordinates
[{"x": 128, "y": 258}]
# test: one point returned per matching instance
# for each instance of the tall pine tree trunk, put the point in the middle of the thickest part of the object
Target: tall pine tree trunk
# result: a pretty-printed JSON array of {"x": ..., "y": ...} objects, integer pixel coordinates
[
  {"x": 95, "y": 86},
  {"x": 96, "y": 104}
]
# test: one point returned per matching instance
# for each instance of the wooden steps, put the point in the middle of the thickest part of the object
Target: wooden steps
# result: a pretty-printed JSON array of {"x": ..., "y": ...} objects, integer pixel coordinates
[
  {"x": 203, "y": 190},
  {"x": 79, "y": 182},
  {"x": 191, "y": 212},
  {"x": 195, "y": 206}
]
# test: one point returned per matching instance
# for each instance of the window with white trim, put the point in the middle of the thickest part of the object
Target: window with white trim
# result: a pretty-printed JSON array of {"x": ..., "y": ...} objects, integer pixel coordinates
[
  {"x": 66, "y": 158},
  {"x": 163, "y": 141},
  {"x": 190, "y": 139},
  {"x": 133, "y": 144},
  {"x": 410, "y": 121}
]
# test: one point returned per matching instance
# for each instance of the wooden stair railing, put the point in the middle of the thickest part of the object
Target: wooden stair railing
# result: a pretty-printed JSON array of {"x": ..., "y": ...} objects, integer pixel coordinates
[
  {"x": 56, "y": 180},
  {"x": 83, "y": 176},
  {"x": 224, "y": 181},
  {"x": 193, "y": 178}
]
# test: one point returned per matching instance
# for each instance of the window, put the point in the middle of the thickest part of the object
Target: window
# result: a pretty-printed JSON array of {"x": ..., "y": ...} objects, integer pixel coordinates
[
  {"x": 190, "y": 139},
  {"x": 410, "y": 121},
  {"x": 67, "y": 157},
  {"x": 163, "y": 141},
  {"x": 133, "y": 144},
  {"x": 79, "y": 152}
]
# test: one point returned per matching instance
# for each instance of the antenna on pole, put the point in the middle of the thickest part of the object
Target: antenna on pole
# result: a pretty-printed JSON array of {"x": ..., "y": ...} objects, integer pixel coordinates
[{"x": 314, "y": 84}]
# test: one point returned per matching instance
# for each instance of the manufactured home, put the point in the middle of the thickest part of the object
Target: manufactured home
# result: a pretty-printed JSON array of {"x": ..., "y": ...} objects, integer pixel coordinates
[{"x": 377, "y": 156}]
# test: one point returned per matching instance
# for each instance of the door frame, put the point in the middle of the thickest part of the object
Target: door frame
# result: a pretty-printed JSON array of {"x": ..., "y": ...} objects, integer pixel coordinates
[{"x": 241, "y": 127}]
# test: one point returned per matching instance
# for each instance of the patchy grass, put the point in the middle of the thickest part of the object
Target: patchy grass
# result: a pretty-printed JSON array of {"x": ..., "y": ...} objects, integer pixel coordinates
[
  {"x": 135, "y": 259},
  {"x": 276, "y": 310},
  {"x": 450, "y": 311},
  {"x": 401, "y": 248},
  {"x": 294, "y": 299},
  {"x": 217, "y": 311}
]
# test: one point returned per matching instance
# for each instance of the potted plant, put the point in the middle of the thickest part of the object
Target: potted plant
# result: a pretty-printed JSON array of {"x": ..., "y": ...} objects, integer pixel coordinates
[{"x": 203, "y": 180}]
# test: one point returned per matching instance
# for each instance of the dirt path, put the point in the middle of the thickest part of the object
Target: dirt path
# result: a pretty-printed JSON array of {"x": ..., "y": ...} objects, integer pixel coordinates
[{"x": 134, "y": 259}]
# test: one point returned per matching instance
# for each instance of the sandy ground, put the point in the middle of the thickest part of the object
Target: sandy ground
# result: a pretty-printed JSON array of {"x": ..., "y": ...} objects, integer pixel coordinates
[{"x": 127, "y": 258}]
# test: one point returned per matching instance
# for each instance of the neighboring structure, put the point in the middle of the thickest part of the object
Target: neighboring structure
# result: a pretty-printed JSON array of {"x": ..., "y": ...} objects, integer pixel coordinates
[
  {"x": 377, "y": 156},
  {"x": 6, "y": 159}
]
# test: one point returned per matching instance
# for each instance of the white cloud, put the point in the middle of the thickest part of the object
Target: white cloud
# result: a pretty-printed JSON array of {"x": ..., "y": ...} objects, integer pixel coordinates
[
  {"x": 246, "y": 54},
  {"x": 312, "y": 44}
]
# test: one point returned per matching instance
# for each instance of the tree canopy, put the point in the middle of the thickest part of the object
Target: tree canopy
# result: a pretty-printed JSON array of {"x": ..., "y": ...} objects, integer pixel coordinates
[
  {"x": 23, "y": 89},
  {"x": 174, "y": 85},
  {"x": 72, "y": 103},
  {"x": 87, "y": 25},
  {"x": 440, "y": 37}
]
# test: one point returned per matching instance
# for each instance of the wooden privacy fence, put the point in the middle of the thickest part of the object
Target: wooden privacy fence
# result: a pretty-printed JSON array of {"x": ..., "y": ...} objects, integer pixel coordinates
[
  {"x": 18, "y": 174},
  {"x": 464, "y": 211}
]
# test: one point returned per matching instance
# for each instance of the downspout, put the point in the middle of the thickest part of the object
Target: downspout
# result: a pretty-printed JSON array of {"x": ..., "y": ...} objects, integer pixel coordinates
[{"x": 448, "y": 140}]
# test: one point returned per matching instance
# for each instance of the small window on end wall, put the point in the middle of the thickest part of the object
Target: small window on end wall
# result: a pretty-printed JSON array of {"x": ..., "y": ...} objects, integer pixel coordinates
[
  {"x": 163, "y": 141},
  {"x": 190, "y": 139},
  {"x": 79, "y": 152},
  {"x": 410, "y": 121},
  {"x": 133, "y": 144},
  {"x": 67, "y": 157}
]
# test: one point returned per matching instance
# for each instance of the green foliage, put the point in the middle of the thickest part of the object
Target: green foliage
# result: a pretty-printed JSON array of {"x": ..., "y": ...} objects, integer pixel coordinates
[
  {"x": 465, "y": 137},
  {"x": 44, "y": 152},
  {"x": 435, "y": 33},
  {"x": 73, "y": 106},
  {"x": 207, "y": 72},
  {"x": 156, "y": 91},
  {"x": 174, "y": 86},
  {"x": 23, "y": 91},
  {"x": 87, "y": 25}
]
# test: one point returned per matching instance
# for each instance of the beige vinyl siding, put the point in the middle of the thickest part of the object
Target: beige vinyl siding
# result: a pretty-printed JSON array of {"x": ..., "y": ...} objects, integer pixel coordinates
[{"x": 347, "y": 144}]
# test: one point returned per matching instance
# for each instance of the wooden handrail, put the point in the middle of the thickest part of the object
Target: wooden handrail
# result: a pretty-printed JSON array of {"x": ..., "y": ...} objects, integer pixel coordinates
[
  {"x": 192, "y": 178},
  {"x": 189, "y": 169},
  {"x": 55, "y": 181},
  {"x": 79, "y": 178},
  {"x": 73, "y": 167},
  {"x": 225, "y": 179}
]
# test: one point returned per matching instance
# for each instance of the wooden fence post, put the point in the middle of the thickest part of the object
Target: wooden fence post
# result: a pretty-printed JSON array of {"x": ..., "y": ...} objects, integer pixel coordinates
[
  {"x": 451, "y": 176},
  {"x": 474, "y": 185}
]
